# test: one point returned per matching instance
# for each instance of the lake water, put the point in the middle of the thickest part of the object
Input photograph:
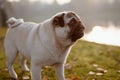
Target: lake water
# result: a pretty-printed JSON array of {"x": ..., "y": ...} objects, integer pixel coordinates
[{"x": 106, "y": 35}]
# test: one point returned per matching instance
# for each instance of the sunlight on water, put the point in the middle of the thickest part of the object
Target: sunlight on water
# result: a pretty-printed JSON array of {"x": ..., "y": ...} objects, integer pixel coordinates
[{"x": 105, "y": 35}]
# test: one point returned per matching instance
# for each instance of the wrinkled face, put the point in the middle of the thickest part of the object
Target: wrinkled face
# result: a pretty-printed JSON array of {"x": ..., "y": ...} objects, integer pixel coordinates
[{"x": 68, "y": 26}]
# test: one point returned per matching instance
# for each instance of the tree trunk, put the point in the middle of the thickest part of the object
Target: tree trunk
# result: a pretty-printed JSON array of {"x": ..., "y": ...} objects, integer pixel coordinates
[{"x": 3, "y": 16}]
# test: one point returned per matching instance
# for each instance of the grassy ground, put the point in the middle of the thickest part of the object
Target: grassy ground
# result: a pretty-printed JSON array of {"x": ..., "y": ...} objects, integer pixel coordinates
[{"x": 84, "y": 57}]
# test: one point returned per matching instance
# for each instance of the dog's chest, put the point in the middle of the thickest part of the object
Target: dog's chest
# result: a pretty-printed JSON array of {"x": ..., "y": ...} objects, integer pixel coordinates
[
  {"x": 46, "y": 58},
  {"x": 52, "y": 61}
]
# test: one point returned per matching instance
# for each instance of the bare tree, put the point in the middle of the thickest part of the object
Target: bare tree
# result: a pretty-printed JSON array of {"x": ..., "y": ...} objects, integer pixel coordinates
[
  {"x": 3, "y": 15},
  {"x": 4, "y": 5}
]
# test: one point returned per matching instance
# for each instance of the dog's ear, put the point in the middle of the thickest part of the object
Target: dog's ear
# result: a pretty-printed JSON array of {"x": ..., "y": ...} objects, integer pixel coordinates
[{"x": 59, "y": 20}]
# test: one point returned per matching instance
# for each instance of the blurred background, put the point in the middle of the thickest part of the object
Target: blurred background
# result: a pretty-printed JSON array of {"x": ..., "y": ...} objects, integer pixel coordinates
[{"x": 101, "y": 17}]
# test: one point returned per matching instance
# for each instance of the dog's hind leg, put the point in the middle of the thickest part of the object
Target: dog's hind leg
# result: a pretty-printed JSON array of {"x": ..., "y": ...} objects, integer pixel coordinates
[
  {"x": 11, "y": 54},
  {"x": 23, "y": 61}
]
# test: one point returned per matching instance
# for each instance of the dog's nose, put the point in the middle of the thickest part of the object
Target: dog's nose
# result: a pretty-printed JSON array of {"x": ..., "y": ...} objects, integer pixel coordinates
[{"x": 82, "y": 27}]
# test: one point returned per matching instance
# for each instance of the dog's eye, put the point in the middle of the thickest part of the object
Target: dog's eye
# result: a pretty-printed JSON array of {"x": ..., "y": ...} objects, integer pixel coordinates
[{"x": 72, "y": 22}]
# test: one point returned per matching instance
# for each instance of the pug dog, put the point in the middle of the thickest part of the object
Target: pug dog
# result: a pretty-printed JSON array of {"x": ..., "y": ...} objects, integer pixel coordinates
[{"x": 46, "y": 44}]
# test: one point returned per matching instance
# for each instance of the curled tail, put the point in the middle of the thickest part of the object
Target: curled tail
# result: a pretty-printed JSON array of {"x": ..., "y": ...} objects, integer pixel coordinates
[{"x": 13, "y": 22}]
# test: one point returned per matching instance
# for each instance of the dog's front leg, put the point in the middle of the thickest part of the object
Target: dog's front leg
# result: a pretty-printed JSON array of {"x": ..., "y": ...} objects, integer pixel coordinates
[
  {"x": 60, "y": 71},
  {"x": 35, "y": 71}
]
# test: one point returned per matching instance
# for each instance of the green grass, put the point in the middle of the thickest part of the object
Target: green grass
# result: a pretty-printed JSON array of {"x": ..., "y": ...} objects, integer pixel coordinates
[{"x": 81, "y": 59}]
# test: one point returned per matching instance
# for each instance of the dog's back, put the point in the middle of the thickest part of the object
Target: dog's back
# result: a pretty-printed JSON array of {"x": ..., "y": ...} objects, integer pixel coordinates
[{"x": 18, "y": 34}]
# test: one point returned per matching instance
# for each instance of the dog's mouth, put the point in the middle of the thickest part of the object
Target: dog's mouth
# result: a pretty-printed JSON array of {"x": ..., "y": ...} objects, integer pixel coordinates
[{"x": 77, "y": 32}]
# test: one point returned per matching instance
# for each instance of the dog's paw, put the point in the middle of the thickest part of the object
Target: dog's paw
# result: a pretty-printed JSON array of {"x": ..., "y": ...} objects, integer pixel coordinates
[{"x": 13, "y": 78}]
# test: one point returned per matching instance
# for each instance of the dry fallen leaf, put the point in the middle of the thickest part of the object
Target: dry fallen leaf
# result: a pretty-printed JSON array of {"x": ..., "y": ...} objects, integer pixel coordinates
[
  {"x": 105, "y": 71},
  {"x": 95, "y": 65},
  {"x": 45, "y": 78},
  {"x": 26, "y": 78},
  {"x": 68, "y": 66},
  {"x": 118, "y": 71},
  {"x": 99, "y": 74},
  {"x": 91, "y": 73},
  {"x": 100, "y": 70}
]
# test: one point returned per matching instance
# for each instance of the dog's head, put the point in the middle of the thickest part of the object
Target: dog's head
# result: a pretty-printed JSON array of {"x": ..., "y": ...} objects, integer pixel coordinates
[{"x": 68, "y": 26}]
